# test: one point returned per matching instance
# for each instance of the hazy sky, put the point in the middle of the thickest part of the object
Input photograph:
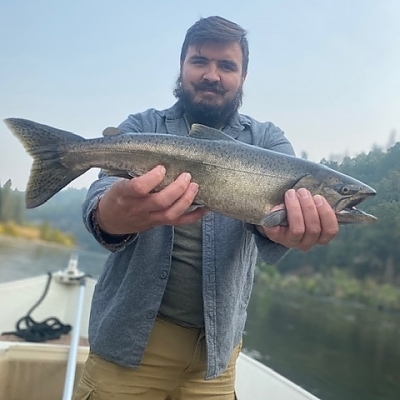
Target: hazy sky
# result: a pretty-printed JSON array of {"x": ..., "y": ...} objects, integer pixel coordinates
[{"x": 326, "y": 72}]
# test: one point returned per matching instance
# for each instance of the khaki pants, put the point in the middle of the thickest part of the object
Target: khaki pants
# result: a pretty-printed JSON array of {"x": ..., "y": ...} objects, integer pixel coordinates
[{"x": 172, "y": 368}]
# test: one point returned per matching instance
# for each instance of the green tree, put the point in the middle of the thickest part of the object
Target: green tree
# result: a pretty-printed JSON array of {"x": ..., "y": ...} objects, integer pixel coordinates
[{"x": 6, "y": 202}]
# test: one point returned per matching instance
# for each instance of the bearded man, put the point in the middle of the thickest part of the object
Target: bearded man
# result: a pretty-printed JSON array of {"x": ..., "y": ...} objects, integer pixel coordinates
[{"x": 169, "y": 308}]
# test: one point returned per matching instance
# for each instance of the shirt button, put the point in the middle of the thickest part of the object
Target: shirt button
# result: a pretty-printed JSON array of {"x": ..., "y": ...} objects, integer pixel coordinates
[
  {"x": 150, "y": 314},
  {"x": 163, "y": 274}
]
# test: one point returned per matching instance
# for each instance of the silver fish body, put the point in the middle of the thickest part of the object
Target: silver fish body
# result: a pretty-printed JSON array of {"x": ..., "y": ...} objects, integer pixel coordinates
[{"x": 235, "y": 179}]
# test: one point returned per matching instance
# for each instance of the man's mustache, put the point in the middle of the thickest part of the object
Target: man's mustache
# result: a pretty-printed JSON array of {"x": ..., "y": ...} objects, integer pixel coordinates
[{"x": 210, "y": 87}]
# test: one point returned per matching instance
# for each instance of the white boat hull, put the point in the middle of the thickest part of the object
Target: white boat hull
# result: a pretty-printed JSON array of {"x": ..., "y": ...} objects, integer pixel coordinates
[{"x": 36, "y": 371}]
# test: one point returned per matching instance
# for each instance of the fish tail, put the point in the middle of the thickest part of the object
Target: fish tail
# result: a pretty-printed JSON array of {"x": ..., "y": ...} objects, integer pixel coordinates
[{"x": 47, "y": 146}]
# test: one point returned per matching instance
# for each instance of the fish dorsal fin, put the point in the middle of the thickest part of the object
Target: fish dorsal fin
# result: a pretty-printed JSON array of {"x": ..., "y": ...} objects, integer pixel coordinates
[
  {"x": 199, "y": 131},
  {"x": 111, "y": 131}
]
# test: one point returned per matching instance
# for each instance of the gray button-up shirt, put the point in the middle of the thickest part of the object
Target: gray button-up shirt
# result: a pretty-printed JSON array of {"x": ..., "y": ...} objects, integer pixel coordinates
[{"x": 132, "y": 283}]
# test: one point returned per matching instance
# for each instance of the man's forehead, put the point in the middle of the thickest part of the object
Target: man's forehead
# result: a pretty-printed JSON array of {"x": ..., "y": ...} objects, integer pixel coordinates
[{"x": 208, "y": 48}]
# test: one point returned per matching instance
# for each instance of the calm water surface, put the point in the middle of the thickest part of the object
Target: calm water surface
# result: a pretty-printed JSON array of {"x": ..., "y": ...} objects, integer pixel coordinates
[
  {"x": 335, "y": 350},
  {"x": 21, "y": 259}
]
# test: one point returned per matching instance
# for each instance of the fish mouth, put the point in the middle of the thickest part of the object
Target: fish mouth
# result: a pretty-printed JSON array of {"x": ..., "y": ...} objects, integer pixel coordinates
[{"x": 347, "y": 213}]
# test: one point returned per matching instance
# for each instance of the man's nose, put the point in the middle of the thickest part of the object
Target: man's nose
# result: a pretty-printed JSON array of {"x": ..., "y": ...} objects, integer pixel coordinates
[{"x": 211, "y": 74}]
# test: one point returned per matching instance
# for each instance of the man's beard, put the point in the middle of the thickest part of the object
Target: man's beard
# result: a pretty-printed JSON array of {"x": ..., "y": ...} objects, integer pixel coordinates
[{"x": 205, "y": 113}]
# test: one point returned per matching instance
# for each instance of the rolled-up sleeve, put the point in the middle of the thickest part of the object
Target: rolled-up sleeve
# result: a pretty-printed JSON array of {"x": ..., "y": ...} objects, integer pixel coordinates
[
  {"x": 96, "y": 190},
  {"x": 112, "y": 243}
]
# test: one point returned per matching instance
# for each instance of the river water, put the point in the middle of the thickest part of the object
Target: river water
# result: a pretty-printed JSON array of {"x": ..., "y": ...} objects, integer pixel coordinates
[{"x": 335, "y": 350}]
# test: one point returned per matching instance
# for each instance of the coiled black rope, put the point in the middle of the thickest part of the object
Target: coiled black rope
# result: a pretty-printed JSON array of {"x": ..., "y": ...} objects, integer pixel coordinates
[{"x": 49, "y": 329}]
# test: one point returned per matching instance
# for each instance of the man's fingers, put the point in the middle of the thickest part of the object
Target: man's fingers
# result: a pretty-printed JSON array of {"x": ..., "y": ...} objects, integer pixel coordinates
[
  {"x": 294, "y": 216},
  {"x": 311, "y": 218},
  {"x": 329, "y": 223},
  {"x": 169, "y": 215},
  {"x": 144, "y": 184},
  {"x": 319, "y": 221},
  {"x": 179, "y": 193},
  {"x": 170, "y": 194}
]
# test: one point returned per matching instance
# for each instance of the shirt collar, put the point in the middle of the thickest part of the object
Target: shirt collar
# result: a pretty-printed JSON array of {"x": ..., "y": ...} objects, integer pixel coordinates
[{"x": 235, "y": 126}]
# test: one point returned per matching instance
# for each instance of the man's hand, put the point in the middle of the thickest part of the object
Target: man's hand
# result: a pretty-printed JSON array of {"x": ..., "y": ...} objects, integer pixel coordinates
[
  {"x": 311, "y": 221},
  {"x": 130, "y": 206}
]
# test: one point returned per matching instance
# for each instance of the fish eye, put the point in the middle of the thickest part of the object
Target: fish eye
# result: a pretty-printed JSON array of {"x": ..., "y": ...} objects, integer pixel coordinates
[{"x": 347, "y": 190}]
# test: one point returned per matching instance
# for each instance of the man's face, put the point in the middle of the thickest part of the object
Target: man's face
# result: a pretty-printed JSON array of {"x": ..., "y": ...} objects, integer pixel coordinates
[{"x": 211, "y": 81}]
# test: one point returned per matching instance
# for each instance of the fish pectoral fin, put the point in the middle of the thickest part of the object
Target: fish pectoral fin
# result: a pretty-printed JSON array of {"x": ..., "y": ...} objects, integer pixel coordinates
[
  {"x": 198, "y": 131},
  {"x": 119, "y": 173},
  {"x": 193, "y": 207},
  {"x": 275, "y": 218},
  {"x": 111, "y": 131}
]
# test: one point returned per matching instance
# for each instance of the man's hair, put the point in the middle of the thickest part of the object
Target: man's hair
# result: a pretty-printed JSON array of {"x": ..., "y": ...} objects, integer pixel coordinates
[{"x": 216, "y": 29}]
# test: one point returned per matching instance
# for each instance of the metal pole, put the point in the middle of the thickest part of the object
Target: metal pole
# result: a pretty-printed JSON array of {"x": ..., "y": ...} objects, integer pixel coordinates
[{"x": 73, "y": 350}]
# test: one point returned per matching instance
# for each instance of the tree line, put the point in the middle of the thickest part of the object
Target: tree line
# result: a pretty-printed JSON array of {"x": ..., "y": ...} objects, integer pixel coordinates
[
  {"x": 364, "y": 251},
  {"x": 11, "y": 204},
  {"x": 14, "y": 222}
]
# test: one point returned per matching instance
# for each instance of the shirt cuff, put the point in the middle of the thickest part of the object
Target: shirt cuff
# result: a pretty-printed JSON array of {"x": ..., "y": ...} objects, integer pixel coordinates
[{"x": 110, "y": 242}]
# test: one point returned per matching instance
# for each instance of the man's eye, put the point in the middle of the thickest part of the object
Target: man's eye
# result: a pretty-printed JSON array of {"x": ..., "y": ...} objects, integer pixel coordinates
[
  {"x": 228, "y": 67},
  {"x": 199, "y": 62}
]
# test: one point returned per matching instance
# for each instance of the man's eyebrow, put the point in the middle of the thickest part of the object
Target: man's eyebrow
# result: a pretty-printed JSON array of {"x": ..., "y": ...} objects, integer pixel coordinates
[
  {"x": 197, "y": 57},
  {"x": 200, "y": 57}
]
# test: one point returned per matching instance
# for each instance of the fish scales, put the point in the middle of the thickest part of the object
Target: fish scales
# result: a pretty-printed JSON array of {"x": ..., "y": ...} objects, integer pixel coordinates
[
  {"x": 235, "y": 179},
  {"x": 223, "y": 181}
]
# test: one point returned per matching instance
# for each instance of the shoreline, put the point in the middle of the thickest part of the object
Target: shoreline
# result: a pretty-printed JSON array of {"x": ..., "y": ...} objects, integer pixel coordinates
[{"x": 9, "y": 239}]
